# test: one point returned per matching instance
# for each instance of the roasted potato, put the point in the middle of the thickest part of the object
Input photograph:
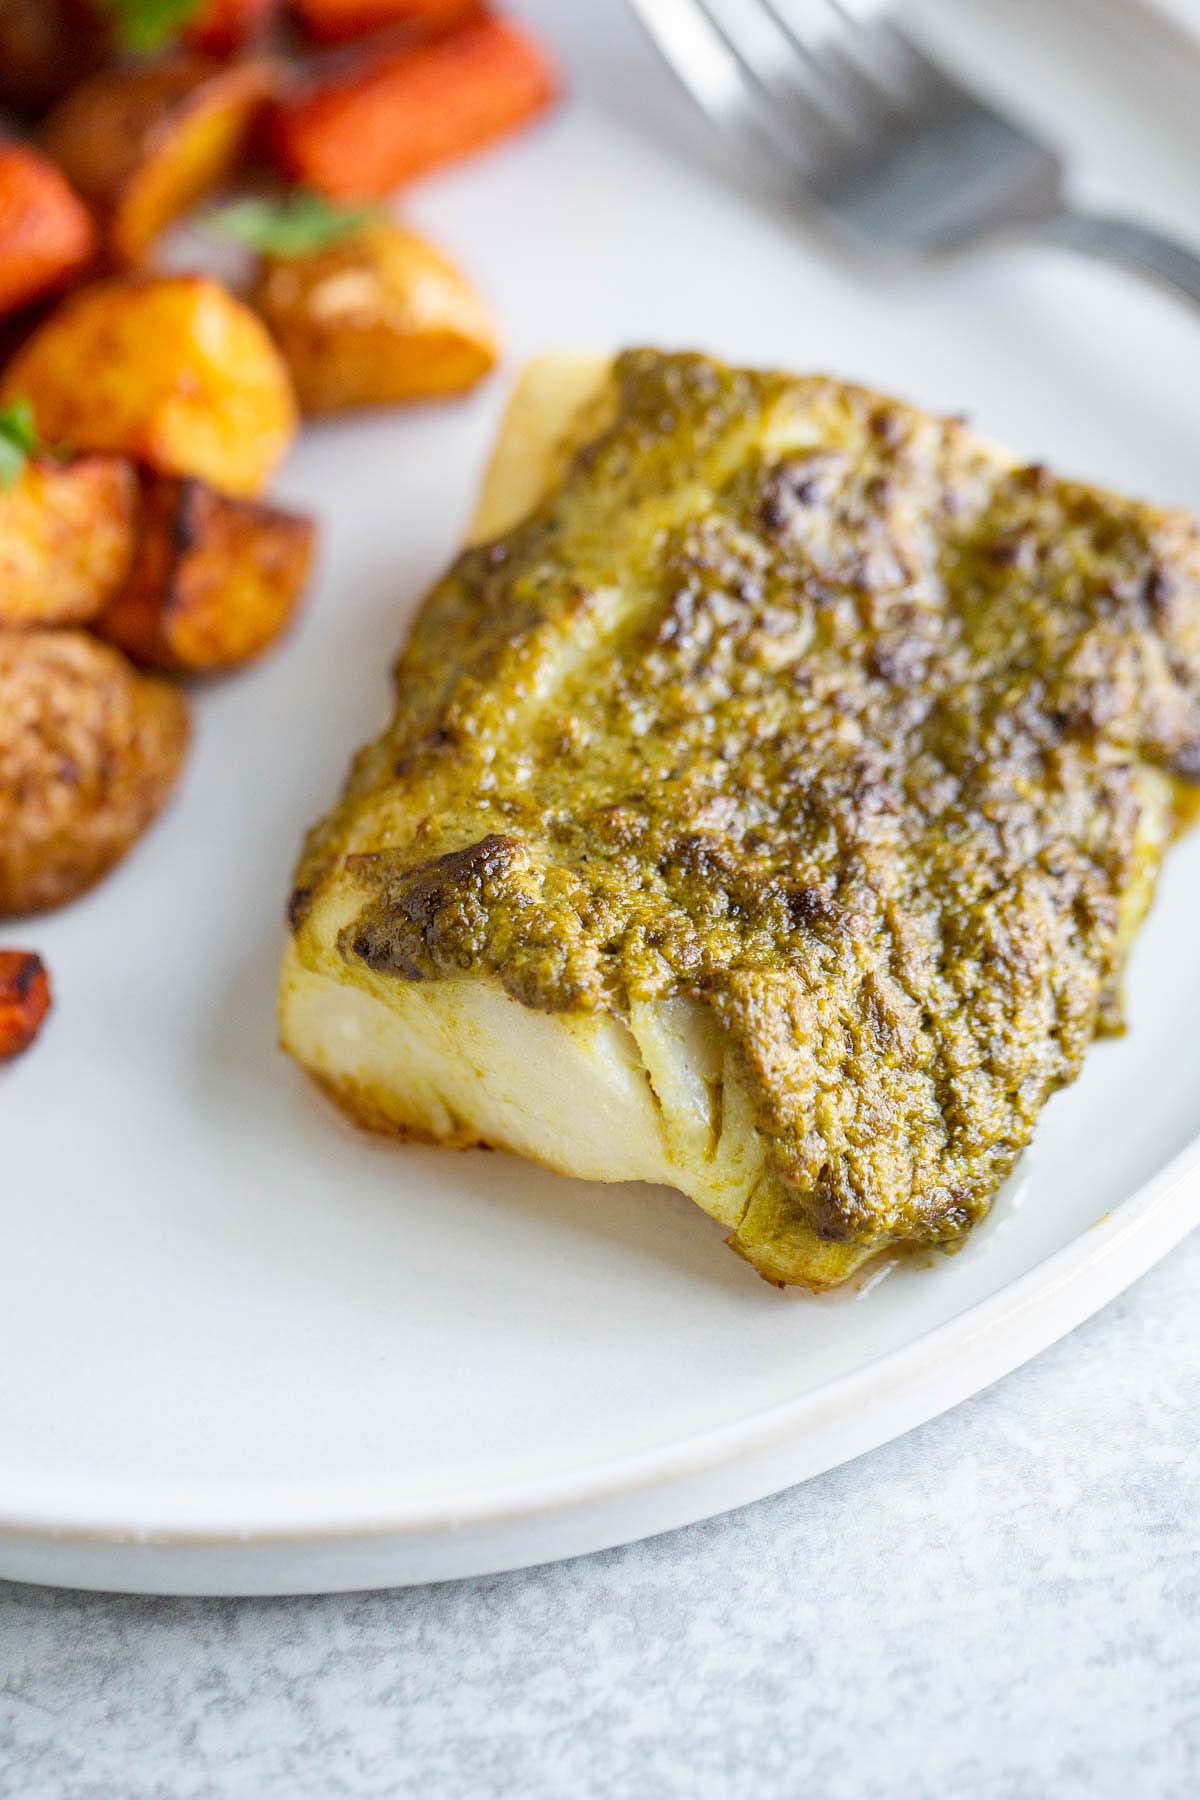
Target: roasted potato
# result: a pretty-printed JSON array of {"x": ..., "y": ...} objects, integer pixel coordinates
[
  {"x": 89, "y": 752},
  {"x": 24, "y": 1000},
  {"x": 46, "y": 233},
  {"x": 66, "y": 539},
  {"x": 143, "y": 142},
  {"x": 377, "y": 317},
  {"x": 45, "y": 47},
  {"x": 214, "y": 581},
  {"x": 171, "y": 371}
]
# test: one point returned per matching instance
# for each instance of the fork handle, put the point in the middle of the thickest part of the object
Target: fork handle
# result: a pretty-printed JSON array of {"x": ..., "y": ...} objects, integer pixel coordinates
[{"x": 1132, "y": 246}]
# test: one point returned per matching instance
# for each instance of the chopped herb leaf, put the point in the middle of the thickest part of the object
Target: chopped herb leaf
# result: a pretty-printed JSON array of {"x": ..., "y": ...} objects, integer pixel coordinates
[
  {"x": 143, "y": 25},
  {"x": 295, "y": 226},
  {"x": 18, "y": 440}
]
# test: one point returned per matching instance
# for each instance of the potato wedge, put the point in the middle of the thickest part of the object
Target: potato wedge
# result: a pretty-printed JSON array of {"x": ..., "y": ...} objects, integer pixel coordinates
[
  {"x": 24, "y": 1000},
  {"x": 89, "y": 752},
  {"x": 67, "y": 533},
  {"x": 214, "y": 581},
  {"x": 46, "y": 233},
  {"x": 170, "y": 370},
  {"x": 377, "y": 317},
  {"x": 143, "y": 142}
]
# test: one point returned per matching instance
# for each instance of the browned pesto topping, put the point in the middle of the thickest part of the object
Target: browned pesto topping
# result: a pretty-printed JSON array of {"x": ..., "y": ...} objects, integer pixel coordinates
[{"x": 807, "y": 705}]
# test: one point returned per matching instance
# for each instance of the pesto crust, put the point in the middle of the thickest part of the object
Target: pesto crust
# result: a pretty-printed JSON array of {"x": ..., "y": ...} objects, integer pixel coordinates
[{"x": 811, "y": 708}]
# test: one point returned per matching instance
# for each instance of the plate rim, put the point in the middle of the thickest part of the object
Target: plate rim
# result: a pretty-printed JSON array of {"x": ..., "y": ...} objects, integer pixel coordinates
[
  {"x": 899, "y": 1390},
  {"x": 843, "y": 1418}
]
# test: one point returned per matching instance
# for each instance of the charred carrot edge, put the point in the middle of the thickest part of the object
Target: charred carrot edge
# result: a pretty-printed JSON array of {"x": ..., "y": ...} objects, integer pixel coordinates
[
  {"x": 409, "y": 111},
  {"x": 46, "y": 232},
  {"x": 222, "y": 27},
  {"x": 338, "y": 21},
  {"x": 24, "y": 1000}
]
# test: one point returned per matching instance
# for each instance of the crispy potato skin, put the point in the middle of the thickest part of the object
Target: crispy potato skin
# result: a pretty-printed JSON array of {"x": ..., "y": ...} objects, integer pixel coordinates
[
  {"x": 380, "y": 317},
  {"x": 169, "y": 370},
  {"x": 215, "y": 579},
  {"x": 46, "y": 232},
  {"x": 66, "y": 539},
  {"x": 89, "y": 752},
  {"x": 24, "y": 1000},
  {"x": 142, "y": 143}
]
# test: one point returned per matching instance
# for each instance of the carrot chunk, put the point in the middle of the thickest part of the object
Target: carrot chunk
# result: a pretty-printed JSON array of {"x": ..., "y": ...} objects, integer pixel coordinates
[
  {"x": 411, "y": 110},
  {"x": 46, "y": 232},
  {"x": 24, "y": 1000},
  {"x": 223, "y": 27},
  {"x": 337, "y": 21}
]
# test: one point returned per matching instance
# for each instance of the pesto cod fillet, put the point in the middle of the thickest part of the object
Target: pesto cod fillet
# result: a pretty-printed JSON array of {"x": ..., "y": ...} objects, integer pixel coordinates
[{"x": 775, "y": 786}]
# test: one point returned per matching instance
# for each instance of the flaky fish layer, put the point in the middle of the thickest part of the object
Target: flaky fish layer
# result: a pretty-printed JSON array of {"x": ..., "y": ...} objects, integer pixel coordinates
[{"x": 774, "y": 788}]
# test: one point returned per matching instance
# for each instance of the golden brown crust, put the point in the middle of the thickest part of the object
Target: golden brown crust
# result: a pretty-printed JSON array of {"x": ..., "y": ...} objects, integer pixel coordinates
[
  {"x": 89, "y": 753},
  {"x": 142, "y": 143},
  {"x": 215, "y": 579},
  {"x": 172, "y": 371},
  {"x": 361, "y": 1107},
  {"x": 66, "y": 539},
  {"x": 379, "y": 317}
]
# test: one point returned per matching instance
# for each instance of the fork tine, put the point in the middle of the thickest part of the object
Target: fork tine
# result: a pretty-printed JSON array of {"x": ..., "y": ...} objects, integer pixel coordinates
[
  {"x": 711, "y": 63},
  {"x": 825, "y": 35},
  {"x": 785, "y": 77},
  {"x": 883, "y": 53}
]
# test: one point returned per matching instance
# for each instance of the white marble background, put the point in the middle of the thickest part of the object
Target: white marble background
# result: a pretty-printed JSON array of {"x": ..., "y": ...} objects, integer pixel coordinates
[{"x": 1004, "y": 1605}]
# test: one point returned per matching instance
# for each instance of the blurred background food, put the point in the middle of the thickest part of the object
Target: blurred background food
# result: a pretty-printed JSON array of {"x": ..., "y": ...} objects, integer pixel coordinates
[{"x": 143, "y": 410}]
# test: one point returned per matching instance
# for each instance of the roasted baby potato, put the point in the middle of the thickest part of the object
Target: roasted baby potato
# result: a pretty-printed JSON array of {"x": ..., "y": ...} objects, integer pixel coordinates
[
  {"x": 89, "y": 752},
  {"x": 46, "y": 233},
  {"x": 171, "y": 371},
  {"x": 66, "y": 539},
  {"x": 24, "y": 1000},
  {"x": 143, "y": 142},
  {"x": 45, "y": 47},
  {"x": 376, "y": 317},
  {"x": 214, "y": 581}
]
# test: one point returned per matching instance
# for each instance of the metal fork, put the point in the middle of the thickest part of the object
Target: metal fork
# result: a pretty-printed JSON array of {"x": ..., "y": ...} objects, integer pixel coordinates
[{"x": 841, "y": 99}]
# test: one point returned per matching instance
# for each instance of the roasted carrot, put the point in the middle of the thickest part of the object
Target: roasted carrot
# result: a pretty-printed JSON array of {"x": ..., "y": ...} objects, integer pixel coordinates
[
  {"x": 337, "y": 21},
  {"x": 46, "y": 232},
  {"x": 24, "y": 1000},
  {"x": 407, "y": 111},
  {"x": 222, "y": 27}
]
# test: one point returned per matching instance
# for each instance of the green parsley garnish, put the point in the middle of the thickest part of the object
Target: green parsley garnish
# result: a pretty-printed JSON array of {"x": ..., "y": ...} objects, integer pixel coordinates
[
  {"x": 144, "y": 25},
  {"x": 18, "y": 440},
  {"x": 294, "y": 226}
]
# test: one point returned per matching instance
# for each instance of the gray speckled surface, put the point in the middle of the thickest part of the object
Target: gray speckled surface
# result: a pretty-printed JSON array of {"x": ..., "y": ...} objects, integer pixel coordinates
[{"x": 1004, "y": 1605}]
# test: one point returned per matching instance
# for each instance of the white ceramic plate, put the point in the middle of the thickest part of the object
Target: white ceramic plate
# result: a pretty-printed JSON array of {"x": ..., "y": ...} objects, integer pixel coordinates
[{"x": 248, "y": 1350}]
